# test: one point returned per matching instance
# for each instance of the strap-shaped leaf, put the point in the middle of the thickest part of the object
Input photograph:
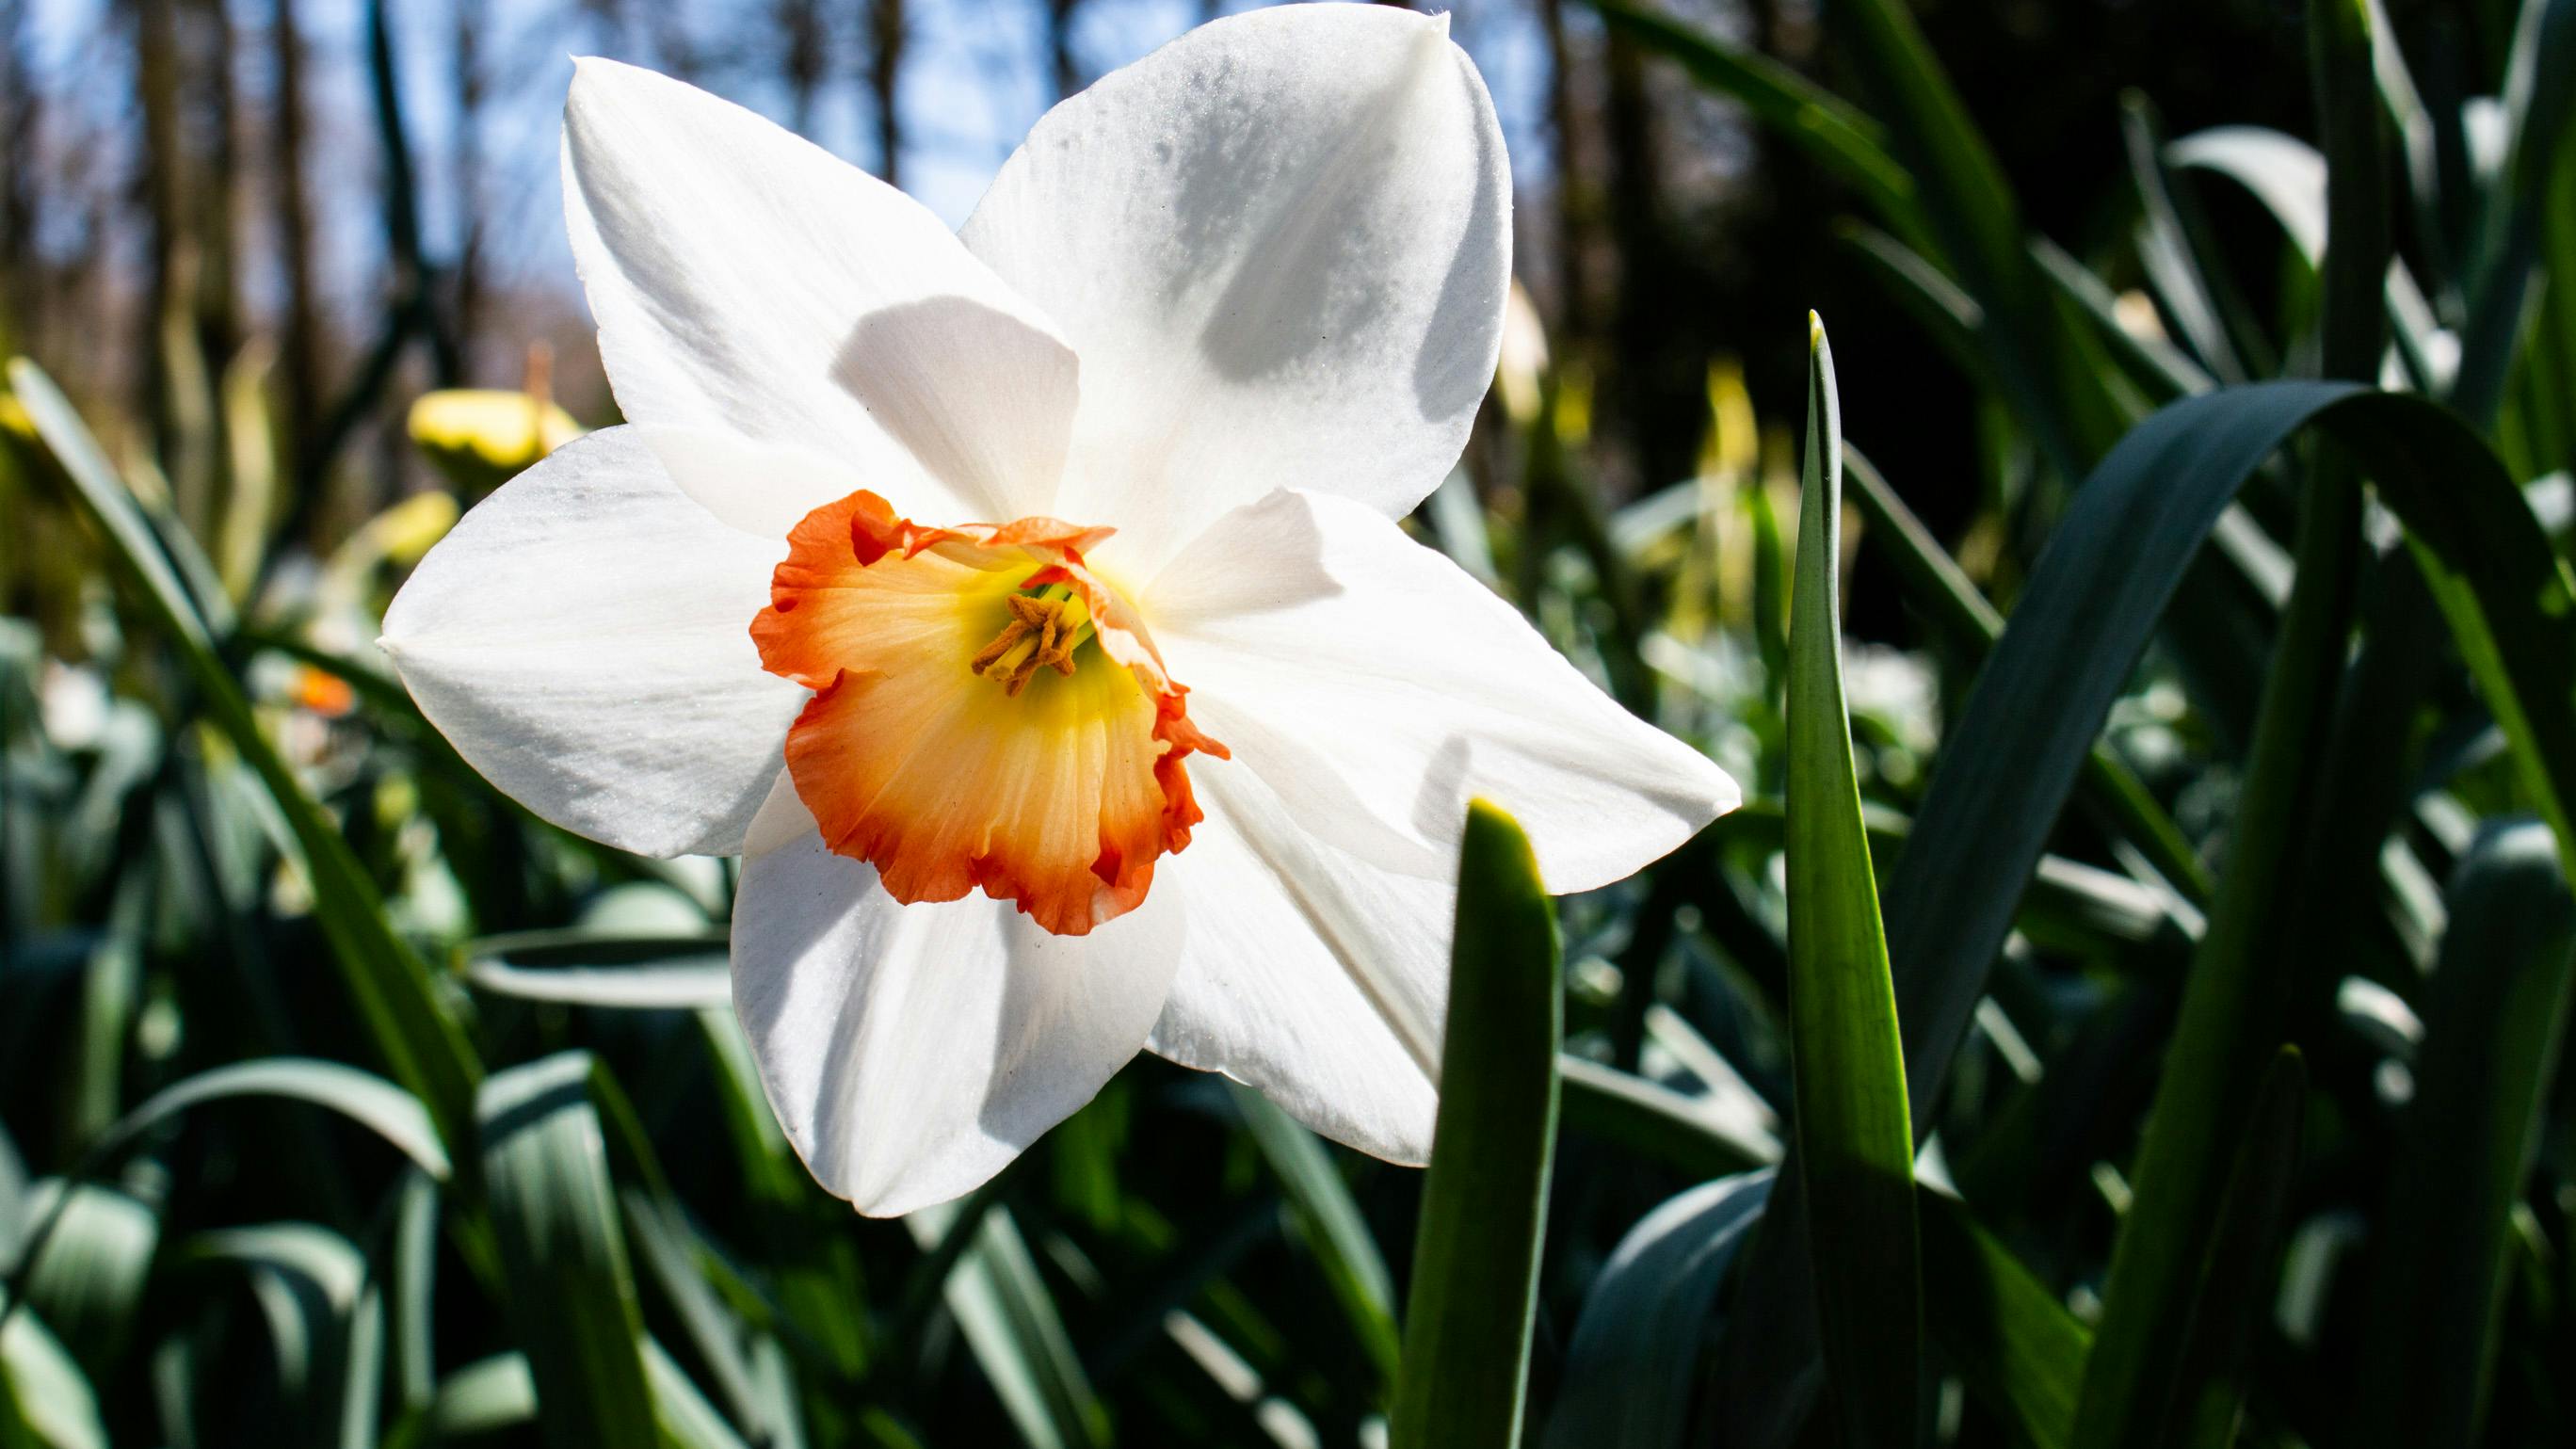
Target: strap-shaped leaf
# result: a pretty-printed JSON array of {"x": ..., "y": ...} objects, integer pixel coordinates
[
  {"x": 2094, "y": 599},
  {"x": 45, "y": 1400},
  {"x": 2016, "y": 1347},
  {"x": 571, "y": 1290},
  {"x": 1484, "y": 1205},
  {"x": 1627, "y": 1381},
  {"x": 413, "y": 1026},
  {"x": 2495, "y": 1014},
  {"x": 1329, "y": 1221},
  {"x": 1855, "y": 1139},
  {"x": 2161, "y": 1367}
]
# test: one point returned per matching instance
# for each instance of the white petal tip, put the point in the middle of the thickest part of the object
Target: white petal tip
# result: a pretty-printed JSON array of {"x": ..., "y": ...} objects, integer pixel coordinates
[{"x": 1727, "y": 797}]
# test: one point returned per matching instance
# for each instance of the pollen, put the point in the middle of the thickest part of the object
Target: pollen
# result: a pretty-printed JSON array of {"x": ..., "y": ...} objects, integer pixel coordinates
[
  {"x": 1057, "y": 794},
  {"x": 1044, "y": 631}
]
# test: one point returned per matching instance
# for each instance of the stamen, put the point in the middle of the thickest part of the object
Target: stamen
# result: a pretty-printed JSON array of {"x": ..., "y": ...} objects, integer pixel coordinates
[{"x": 1040, "y": 635}]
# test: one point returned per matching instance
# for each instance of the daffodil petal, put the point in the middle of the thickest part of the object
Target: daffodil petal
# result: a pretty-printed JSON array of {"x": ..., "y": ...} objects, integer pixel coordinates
[
  {"x": 583, "y": 637},
  {"x": 1281, "y": 245},
  {"x": 1378, "y": 688},
  {"x": 763, "y": 489},
  {"x": 746, "y": 280},
  {"x": 1309, "y": 974},
  {"x": 911, "y": 1052}
]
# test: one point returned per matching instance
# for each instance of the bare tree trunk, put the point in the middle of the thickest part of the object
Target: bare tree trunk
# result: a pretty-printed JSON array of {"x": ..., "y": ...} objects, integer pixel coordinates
[
  {"x": 1068, "y": 74},
  {"x": 887, "y": 32},
  {"x": 808, "y": 57},
  {"x": 1574, "y": 296},
  {"x": 215, "y": 162},
  {"x": 156, "y": 83},
  {"x": 300, "y": 349},
  {"x": 20, "y": 262},
  {"x": 672, "y": 43},
  {"x": 1660, "y": 392},
  {"x": 466, "y": 146}
]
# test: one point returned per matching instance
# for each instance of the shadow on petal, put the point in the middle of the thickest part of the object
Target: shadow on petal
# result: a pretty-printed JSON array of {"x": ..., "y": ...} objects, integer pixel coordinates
[{"x": 984, "y": 400}]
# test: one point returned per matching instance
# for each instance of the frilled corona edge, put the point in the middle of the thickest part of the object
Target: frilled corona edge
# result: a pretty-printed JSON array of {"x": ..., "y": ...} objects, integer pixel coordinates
[{"x": 988, "y": 713}]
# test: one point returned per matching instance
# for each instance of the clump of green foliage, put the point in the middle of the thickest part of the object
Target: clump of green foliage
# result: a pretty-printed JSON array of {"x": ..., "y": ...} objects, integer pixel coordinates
[{"x": 2133, "y": 1018}]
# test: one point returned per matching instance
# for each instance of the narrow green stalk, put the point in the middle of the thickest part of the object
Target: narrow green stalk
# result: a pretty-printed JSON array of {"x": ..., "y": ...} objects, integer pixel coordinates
[{"x": 2144, "y": 1383}]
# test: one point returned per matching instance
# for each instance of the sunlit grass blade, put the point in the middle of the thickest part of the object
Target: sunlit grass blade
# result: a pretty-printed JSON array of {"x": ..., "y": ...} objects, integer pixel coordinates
[
  {"x": 685, "y": 1417},
  {"x": 2288, "y": 176},
  {"x": 2495, "y": 1018},
  {"x": 1656, "y": 1122},
  {"x": 669, "y": 1254},
  {"x": 46, "y": 1402},
  {"x": 1484, "y": 1204},
  {"x": 412, "y": 1025},
  {"x": 571, "y": 1291},
  {"x": 325, "y": 1331},
  {"x": 2156, "y": 370},
  {"x": 2070, "y": 906},
  {"x": 364, "y": 1098},
  {"x": 2015, "y": 1345},
  {"x": 2539, "y": 96},
  {"x": 1011, "y": 1323},
  {"x": 485, "y": 1395},
  {"x": 88, "y": 1282},
  {"x": 2219, "y": 335},
  {"x": 371, "y": 1101},
  {"x": 1329, "y": 1220},
  {"x": 1628, "y": 1366},
  {"x": 411, "y": 1302},
  {"x": 1855, "y": 1139},
  {"x": 2550, "y": 363},
  {"x": 607, "y": 969},
  {"x": 2284, "y": 173}
]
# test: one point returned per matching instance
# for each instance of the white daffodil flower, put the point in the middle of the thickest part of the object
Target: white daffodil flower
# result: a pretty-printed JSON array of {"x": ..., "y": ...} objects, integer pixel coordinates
[{"x": 1027, "y": 606}]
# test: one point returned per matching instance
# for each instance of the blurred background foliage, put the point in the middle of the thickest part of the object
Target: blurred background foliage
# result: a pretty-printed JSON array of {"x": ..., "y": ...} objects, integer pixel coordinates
[{"x": 342, "y": 1102}]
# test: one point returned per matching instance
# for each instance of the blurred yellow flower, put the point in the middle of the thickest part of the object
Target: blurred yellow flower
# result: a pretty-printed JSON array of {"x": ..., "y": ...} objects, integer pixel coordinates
[{"x": 481, "y": 437}]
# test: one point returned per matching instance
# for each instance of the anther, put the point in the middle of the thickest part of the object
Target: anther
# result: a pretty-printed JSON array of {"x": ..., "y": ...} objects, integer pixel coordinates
[{"x": 1037, "y": 636}]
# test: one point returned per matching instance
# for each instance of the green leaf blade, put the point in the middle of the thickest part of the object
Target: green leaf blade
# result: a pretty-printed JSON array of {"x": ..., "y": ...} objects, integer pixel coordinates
[
  {"x": 1627, "y": 1382},
  {"x": 2495, "y": 1015},
  {"x": 2016, "y": 1346},
  {"x": 413, "y": 1027},
  {"x": 1484, "y": 1206},
  {"x": 1330, "y": 1221},
  {"x": 1854, "y": 1132},
  {"x": 571, "y": 1289}
]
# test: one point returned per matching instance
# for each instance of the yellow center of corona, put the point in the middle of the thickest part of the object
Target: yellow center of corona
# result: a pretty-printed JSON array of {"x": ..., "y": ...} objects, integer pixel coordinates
[
  {"x": 1044, "y": 630},
  {"x": 1059, "y": 797}
]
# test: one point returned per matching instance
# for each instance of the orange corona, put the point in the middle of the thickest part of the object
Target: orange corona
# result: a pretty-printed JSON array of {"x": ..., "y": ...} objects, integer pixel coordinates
[{"x": 988, "y": 713}]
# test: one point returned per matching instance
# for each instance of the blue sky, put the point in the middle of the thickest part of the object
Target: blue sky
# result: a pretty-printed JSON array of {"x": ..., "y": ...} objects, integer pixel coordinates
[{"x": 976, "y": 78}]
